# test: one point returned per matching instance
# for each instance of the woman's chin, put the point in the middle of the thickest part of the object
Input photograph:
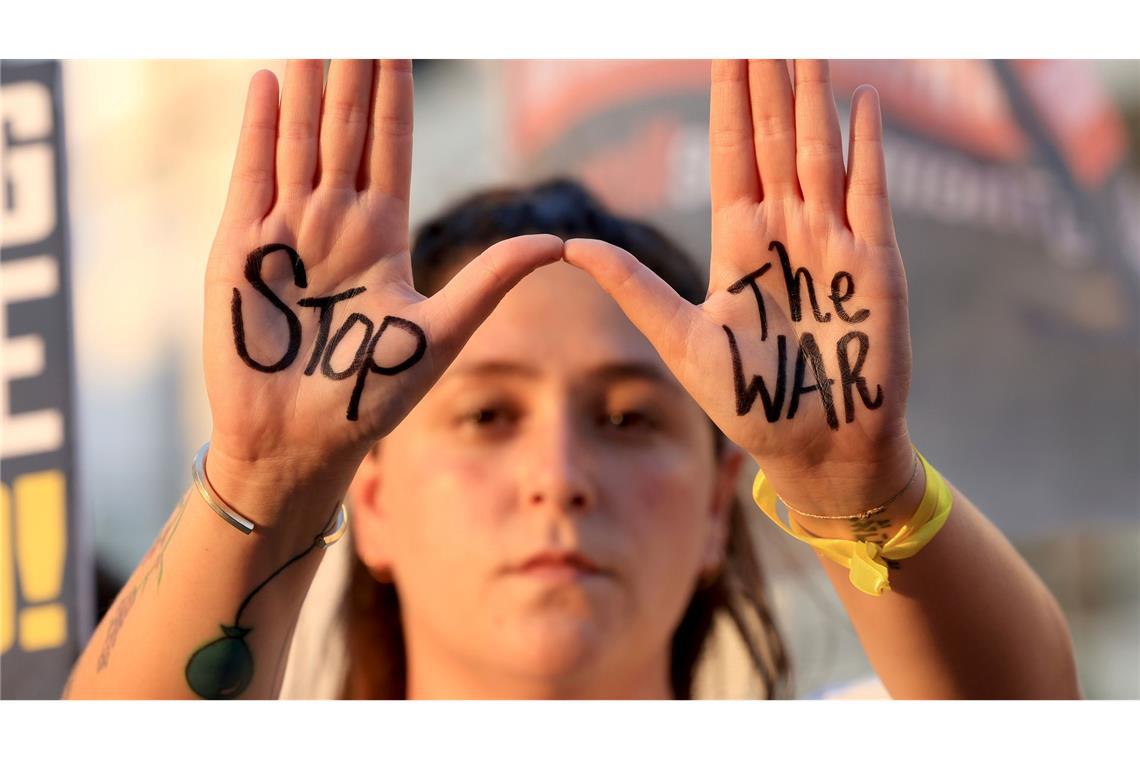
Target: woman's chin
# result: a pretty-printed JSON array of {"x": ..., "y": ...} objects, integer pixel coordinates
[{"x": 557, "y": 645}]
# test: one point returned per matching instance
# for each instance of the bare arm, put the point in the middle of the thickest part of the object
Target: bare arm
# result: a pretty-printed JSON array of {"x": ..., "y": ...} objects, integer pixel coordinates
[
  {"x": 801, "y": 354},
  {"x": 315, "y": 345},
  {"x": 965, "y": 618},
  {"x": 192, "y": 620}
]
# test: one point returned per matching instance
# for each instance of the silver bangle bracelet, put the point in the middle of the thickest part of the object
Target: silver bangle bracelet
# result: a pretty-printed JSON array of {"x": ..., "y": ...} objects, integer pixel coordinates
[{"x": 332, "y": 532}]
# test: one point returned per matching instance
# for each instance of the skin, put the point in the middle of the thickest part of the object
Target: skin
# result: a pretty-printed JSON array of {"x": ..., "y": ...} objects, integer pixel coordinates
[
  {"x": 327, "y": 172},
  {"x": 777, "y": 174},
  {"x": 514, "y": 451},
  {"x": 966, "y": 616}
]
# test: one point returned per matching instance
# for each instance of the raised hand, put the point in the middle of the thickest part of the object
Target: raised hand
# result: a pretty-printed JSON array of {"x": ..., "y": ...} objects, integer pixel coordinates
[
  {"x": 316, "y": 342},
  {"x": 801, "y": 351}
]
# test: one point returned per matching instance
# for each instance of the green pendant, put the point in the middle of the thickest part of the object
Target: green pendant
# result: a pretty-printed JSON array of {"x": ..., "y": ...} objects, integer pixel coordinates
[{"x": 223, "y": 668}]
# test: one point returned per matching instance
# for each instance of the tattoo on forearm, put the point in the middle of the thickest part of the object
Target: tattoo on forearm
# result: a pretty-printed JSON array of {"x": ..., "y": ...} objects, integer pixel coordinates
[
  {"x": 154, "y": 557},
  {"x": 363, "y": 362},
  {"x": 850, "y": 377},
  {"x": 223, "y": 668},
  {"x": 118, "y": 616}
]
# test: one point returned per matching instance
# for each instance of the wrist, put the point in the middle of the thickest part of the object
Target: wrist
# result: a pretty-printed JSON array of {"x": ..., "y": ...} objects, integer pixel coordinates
[
  {"x": 280, "y": 494},
  {"x": 837, "y": 491},
  {"x": 878, "y": 527}
]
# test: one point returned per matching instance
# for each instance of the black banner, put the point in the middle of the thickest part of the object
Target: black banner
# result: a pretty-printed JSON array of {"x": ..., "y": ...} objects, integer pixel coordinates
[{"x": 44, "y": 593}]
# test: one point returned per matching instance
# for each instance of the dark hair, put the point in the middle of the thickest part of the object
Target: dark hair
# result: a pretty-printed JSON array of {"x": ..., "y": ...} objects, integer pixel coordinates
[{"x": 375, "y": 638}]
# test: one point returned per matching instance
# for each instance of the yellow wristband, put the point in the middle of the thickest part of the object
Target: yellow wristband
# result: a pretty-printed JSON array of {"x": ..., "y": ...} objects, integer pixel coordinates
[{"x": 866, "y": 559}]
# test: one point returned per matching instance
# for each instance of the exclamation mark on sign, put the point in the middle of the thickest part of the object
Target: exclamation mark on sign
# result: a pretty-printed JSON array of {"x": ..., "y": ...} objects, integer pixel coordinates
[{"x": 41, "y": 554}]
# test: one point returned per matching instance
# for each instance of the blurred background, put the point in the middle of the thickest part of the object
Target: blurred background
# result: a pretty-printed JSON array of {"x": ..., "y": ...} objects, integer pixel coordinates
[{"x": 1016, "y": 192}]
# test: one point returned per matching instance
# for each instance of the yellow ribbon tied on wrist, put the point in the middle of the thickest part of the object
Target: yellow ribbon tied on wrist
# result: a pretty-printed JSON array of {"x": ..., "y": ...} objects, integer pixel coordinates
[{"x": 867, "y": 560}]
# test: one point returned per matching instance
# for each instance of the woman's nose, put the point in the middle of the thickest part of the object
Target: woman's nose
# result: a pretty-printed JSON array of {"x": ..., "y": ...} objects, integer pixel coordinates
[
  {"x": 570, "y": 497},
  {"x": 557, "y": 471}
]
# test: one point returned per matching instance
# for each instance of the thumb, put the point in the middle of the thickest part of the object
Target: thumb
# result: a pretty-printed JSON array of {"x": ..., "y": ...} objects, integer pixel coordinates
[
  {"x": 664, "y": 317},
  {"x": 458, "y": 309}
]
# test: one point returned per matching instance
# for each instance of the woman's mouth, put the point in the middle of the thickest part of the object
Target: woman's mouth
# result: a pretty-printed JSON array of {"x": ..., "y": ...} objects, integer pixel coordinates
[{"x": 558, "y": 566}]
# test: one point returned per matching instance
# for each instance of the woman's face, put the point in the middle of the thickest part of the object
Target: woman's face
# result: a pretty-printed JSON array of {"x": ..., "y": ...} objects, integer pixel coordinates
[{"x": 547, "y": 509}]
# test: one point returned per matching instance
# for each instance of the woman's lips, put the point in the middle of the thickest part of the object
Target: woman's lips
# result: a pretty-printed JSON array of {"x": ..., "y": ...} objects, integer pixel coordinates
[{"x": 557, "y": 566}]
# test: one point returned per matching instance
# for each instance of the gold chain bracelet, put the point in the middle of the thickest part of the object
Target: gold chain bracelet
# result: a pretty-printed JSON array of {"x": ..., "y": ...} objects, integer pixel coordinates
[{"x": 866, "y": 512}]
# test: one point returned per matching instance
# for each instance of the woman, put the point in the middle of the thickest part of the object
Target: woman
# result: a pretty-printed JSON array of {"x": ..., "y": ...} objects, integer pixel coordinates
[
  {"x": 575, "y": 395},
  {"x": 542, "y": 495}
]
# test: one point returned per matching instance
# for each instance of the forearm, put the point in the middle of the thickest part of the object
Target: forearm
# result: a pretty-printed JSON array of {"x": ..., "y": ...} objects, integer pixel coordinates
[
  {"x": 964, "y": 618},
  {"x": 196, "y": 579}
]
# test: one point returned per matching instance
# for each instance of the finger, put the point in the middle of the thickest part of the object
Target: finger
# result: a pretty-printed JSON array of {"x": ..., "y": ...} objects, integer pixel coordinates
[
  {"x": 819, "y": 147},
  {"x": 388, "y": 155},
  {"x": 298, "y": 127},
  {"x": 251, "y": 183},
  {"x": 651, "y": 304},
  {"x": 344, "y": 122},
  {"x": 472, "y": 294},
  {"x": 774, "y": 127},
  {"x": 868, "y": 210},
  {"x": 731, "y": 150}
]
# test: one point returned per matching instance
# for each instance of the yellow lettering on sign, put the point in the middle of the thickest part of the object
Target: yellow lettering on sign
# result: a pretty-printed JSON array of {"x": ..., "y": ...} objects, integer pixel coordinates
[
  {"x": 43, "y": 627},
  {"x": 41, "y": 555}
]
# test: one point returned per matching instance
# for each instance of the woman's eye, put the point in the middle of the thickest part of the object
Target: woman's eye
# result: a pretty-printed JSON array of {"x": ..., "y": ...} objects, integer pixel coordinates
[
  {"x": 486, "y": 417},
  {"x": 629, "y": 419},
  {"x": 483, "y": 416}
]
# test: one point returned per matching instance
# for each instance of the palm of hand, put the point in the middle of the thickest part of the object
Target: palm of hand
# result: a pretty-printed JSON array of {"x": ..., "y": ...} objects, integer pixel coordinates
[
  {"x": 307, "y": 261},
  {"x": 809, "y": 325},
  {"x": 310, "y": 351},
  {"x": 801, "y": 385},
  {"x": 316, "y": 343}
]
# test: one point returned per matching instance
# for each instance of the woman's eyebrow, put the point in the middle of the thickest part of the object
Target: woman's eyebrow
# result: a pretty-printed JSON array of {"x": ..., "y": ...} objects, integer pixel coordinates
[
  {"x": 606, "y": 373},
  {"x": 635, "y": 370},
  {"x": 494, "y": 368}
]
